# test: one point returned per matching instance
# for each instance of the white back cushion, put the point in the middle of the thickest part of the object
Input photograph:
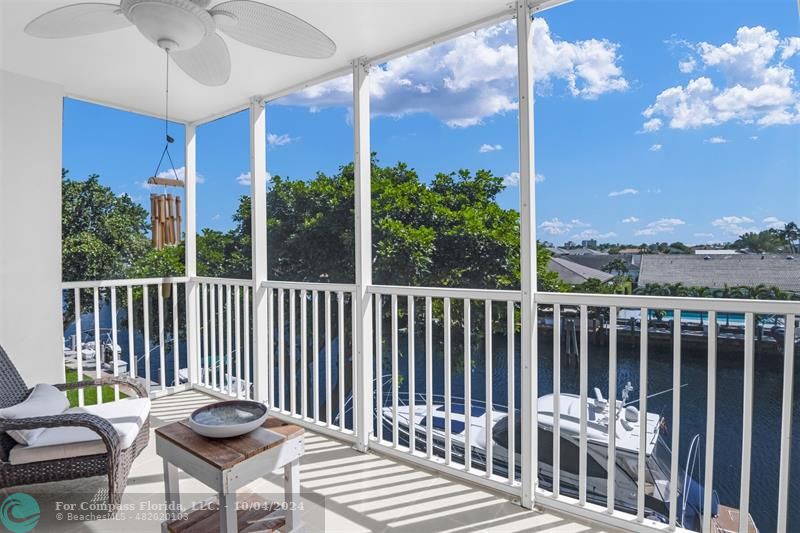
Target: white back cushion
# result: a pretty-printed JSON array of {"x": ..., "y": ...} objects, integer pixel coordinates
[{"x": 44, "y": 400}]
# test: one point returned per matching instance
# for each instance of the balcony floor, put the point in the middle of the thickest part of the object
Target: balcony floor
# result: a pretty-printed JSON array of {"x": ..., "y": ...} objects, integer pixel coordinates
[{"x": 362, "y": 492}]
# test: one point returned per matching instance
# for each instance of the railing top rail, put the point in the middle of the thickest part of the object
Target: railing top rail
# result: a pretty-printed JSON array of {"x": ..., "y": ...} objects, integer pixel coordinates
[
  {"x": 447, "y": 292},
  {"x": 224, "y": 281},
  {"x": 724, "y": 305},
  {"x": 310, "y": 286},
  {"x": 120, "y": 282}
]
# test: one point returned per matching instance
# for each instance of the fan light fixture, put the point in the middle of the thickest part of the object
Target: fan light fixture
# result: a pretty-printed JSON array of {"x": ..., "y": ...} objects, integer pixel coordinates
[{"x": 188, "y": 30}]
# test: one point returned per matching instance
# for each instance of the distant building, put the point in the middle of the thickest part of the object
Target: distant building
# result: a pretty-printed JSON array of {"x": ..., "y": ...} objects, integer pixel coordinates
[
  {"x": 589, "y": 243},
  {"x": 718, "y": 270},
  {"x": 574, "y": 273}
]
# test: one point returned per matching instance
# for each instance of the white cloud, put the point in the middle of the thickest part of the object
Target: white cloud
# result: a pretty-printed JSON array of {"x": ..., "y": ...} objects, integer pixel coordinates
[
  {"x": 756, "y": 87},
  {"x": 716, "y": 140},
  {"x": 623, "y": 192},
  {"x": 791, "y": 46},
  {"x": 554, "y": 226},
  {"x": 734, "y": 225},
  {"x": 754, "y": 137},
  {"x": 594, "y": 234},
  {"x": 708, "y": 235},
  {"x": 629, "y": 220},
  {"x": 774, "y": 222},
  {"x": 273, "y": 139},
  {"x": 512, "y": 179},
  {"x": 688, "y": 65},
  {"x": 244, "y": 179},
  {"x": 654, "y": 124},
  {"x": 468, "y": 79},
  {"x": 489, "y": 148},
  {"x": 655, "y": 148},
  {"x": 663, "y": 225}
]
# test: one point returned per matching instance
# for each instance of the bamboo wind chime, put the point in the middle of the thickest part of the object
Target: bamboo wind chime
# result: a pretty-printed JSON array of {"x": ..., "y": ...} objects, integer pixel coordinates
[{"x": 165, "y": 218}]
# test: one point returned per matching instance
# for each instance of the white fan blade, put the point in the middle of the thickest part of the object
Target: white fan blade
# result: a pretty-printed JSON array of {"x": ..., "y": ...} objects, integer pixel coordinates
[
  {"x": 209, "y": 62},
  {"x": 77, "y": 20},
  {"x": 272, "y": 29}
]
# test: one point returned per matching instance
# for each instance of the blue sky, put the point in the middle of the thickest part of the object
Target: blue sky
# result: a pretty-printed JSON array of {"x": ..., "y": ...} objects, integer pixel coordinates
[{"x": 655, "y": 121}]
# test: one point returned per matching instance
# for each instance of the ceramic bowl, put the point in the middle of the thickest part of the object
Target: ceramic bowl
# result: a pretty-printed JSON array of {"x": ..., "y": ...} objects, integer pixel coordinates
[{"x": 228, "y": 419}]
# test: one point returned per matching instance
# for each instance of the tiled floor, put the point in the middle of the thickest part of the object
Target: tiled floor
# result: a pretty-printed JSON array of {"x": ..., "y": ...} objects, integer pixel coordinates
[{"x": 343, "y": 490}]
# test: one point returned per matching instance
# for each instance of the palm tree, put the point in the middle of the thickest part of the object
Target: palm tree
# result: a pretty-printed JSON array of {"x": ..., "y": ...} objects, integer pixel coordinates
[{"x": 791, "y": 234}]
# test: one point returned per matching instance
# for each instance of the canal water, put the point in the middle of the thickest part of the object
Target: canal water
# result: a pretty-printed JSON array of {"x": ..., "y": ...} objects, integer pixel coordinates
[{"x": 767, "y": 393}]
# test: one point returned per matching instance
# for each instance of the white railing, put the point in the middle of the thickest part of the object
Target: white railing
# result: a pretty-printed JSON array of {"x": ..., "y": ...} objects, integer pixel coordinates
[
  {"x": 446, "y": 365},
  {"x": 554, "y": 305},
  {"x": 152, "y": 321},
  {"x": 310, "y": 367},
  {"x": 224, "y": 336},
  {"x": 431, "y": 321}
]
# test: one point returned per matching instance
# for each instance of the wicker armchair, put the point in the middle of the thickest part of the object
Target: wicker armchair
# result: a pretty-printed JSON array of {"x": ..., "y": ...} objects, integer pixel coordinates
[{"x": 115, "y": 463}]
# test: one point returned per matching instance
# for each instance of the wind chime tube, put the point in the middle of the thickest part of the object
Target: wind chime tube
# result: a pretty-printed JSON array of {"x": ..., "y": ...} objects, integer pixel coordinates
[
  {"x": 153, "y": 218},
  {"x": 178, "y": 219},
  {"x": 162, "y": 218},
  {"x": 170, "y": 221}
]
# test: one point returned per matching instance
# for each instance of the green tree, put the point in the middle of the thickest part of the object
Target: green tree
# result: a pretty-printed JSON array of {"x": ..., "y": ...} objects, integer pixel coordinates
[{"x": 767, "y": 241}]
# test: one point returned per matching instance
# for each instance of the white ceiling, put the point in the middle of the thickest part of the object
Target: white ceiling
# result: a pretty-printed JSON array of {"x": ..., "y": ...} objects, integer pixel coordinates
[{"x": 121, "y": 68}]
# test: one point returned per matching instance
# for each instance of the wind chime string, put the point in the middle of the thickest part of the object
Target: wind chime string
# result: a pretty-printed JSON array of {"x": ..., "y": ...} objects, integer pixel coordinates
[{"x": 166, "y": 126}]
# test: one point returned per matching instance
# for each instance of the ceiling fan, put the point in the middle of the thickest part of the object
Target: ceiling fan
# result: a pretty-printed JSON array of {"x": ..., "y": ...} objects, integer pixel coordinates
[{"x": 187, "y": 30}]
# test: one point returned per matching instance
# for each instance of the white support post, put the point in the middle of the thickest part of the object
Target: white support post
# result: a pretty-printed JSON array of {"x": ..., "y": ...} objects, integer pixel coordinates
[
  {"x": 527, "y": 198},
  {"x": 363, "y": 232},
  {"x": 258, "y": 206},
  {"x": 190, "y": 260}
]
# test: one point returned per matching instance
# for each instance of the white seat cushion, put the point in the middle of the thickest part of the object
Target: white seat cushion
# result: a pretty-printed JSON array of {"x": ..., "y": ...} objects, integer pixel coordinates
[
  {"x": 44, "y": 400},
  {"x": 127, "y": 417}
]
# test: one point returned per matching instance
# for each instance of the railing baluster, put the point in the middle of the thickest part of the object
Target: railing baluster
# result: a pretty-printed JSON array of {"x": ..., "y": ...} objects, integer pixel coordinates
[
  {"x": 488, "y": 383},
  {"x": 175, "y": 338},
  {"x": 131, "y": 329},
  {"x": 467, "y": 384},
  {"x": 786, "y": 422},
  {"x": 292, "y": 353},
  {"x": 395, "y": 375},
  {"x": 556, "y": 401},
  {"x": 162, "y": 356},
  {"x": 512, "y": 430},
  {"x": 328, "y": 360},
  {"x": 78, "y": 343},
  {"x": 412, "y": 377},
  {"x": 643, "y": 330},
  {"x": 711, "y": 387},
  {"x": 237, "y": 296},
  {"x": 448, "y": 437},
  {"x": 341, "y": 336},
  {"x": 353, "y": 357},
  {"x": 429, "y": 376},
  {"x": 612, "y": 407},
  {"x": 212, "y": 318},
  {"x": 221, "y": 337},
  {"x": 272, "y": 390},
  {"x": 304, "y": 353},
  {"x": 115, "y": 356},
  {"x": 229, "y": 338},
  {"x": 204, "y": 339},
  {"x": 248, "y": 387},
  {"x": 379, "y": 367},
  {"x": 281, "y": 354},
  {"x": 747, "y": 422},
  {"x": 98, "y": 370},
  {"x": 146, "y": 321},
  {"x": 676, "y": 416},
  {"x": 583, "y": 354},
  {"x": 315, "y": 325}
]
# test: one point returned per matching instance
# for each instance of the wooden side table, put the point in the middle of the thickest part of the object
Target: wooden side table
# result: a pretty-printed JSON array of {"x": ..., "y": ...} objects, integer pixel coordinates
[{"x": 227, "y": 465}]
